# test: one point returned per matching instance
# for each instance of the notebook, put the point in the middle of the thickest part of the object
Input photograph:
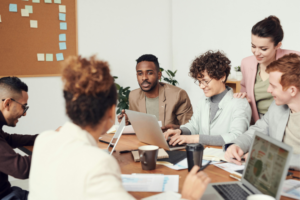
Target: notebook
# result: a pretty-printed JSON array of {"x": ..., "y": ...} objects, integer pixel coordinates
[{"x": 161, "y": 154}]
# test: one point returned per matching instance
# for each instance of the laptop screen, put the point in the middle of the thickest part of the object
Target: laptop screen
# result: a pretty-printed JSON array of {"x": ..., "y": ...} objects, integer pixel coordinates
[{"x": 266, "y": 165}]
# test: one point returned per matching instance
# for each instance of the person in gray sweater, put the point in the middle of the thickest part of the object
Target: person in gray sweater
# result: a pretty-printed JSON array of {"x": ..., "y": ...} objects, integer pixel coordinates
[
  {"x": 282, "y": 119},
  {"x": 219, "y": 118}
]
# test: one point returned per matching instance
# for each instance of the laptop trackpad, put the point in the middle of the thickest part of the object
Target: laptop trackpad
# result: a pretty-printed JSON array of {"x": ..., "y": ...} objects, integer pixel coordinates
[{"x": 210, "y": 196}]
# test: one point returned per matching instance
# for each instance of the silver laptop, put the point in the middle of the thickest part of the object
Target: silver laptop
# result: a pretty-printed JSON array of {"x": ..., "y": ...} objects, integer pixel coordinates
[
  {"x": 265, "y": 171},
  {"x": 147, "y": 130},
  {"x": 114, "y": 141}
]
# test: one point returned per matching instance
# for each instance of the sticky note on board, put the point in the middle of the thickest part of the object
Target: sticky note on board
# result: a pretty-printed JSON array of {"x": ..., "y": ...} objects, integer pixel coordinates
[
  {"x": 41, "y": 57},
  {"x": 63, "y": 26},
  {"x": 57, "y": 1},
  {"x": 48, "y": 1},
  {"x": 49, "y": 57},
  {"x": 62, "y": 8},
  {"x": 62, "y": 16},
  {"x": 33, "y": 23},
  {"x": 59, "y": 56},
  {"x": 62, "y": 46},
  {"x": 62, "y": 37},
  {"x": 35, "y": 1},
  {"x": 29, "y": 8},
  {"x": 24, "y": 13},
  {"x": 13, "y": 7},
  {"x": 25, "y": 0}
]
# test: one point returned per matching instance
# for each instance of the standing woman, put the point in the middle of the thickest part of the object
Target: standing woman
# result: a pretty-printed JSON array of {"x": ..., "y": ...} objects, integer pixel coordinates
[{"x": 266, "y": 40}]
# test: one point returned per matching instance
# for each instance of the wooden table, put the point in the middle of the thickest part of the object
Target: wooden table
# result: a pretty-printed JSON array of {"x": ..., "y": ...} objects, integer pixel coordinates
[
  {"x": 234, "y": 84},
  {"x": 128, "y": 166}
]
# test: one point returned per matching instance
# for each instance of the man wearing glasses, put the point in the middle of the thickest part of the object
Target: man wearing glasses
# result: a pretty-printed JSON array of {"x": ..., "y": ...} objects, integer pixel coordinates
[
  {"x": 219, "y": 118},
  {"x": 13, "y": 105}
]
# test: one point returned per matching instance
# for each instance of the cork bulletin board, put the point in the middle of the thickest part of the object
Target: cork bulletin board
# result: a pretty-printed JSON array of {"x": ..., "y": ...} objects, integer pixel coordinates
[{"x": 36, "y": 35}]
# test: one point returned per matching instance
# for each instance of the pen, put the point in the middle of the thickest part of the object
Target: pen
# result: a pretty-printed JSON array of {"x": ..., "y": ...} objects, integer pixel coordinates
[{"x": 203, "y": 167}]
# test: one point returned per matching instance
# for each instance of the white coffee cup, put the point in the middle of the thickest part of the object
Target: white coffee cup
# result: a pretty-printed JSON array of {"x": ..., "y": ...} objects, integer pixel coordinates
[{"x": 260, "y": 197}]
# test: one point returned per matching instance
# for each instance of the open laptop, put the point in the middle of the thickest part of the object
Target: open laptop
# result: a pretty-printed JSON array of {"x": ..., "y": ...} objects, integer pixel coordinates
[
  {"x": 265, "y": 172},
  {"x": 148, "y": 130},
  {"x": 114, "y": 141}
]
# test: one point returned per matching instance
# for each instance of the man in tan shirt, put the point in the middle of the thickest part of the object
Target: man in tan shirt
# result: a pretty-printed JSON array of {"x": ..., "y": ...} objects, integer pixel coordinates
[{"x": 170, "y": 104}]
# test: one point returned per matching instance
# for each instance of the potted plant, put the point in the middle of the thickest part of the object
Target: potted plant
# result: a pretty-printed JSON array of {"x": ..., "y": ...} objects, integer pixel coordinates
[
  {"x": 238, "y": 73},
  {"x": 123, "y": 97},
  {"x": 170, "y": 79}
]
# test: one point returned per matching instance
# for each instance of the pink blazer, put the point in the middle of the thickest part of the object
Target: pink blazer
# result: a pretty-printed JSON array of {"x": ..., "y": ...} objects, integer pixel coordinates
[{"x": 249, "y": 70}]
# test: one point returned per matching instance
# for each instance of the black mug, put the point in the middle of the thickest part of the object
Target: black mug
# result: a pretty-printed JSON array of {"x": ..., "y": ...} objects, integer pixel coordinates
[{"x": 194, "y": 154}]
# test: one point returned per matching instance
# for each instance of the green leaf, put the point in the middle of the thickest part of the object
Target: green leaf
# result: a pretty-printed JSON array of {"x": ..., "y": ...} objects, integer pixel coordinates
[
  {"x": 125, "y": 89},
  {"x": 117, "y": 86},
  {"x": 175, "y": 72},
  {"x": 172, "y": 74},
  {"x": 120, "y": 90},
  {"x": 161, "y": 69},
  {"x": 168, "y": 74},
  {"x": 168, "y": 80},
  {"x": 115, "y": 77}
]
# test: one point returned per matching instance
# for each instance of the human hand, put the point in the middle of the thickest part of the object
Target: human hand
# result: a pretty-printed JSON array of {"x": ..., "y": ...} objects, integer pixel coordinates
[
  {"x": 194, "y": 184},
  {"x": 169, "y": 126},
  {"x": 171, "y": 132},
  {"x": 234, "y": 154},
  {"x": 241, "y": 95},
  {"x": 120, "y": 117},
  {"x": 181, "y": 139},
  {"x": 58, "y": 129}
]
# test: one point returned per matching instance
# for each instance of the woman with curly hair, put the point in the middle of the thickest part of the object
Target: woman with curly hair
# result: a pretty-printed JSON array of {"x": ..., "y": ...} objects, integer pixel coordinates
[
  {"x": 219, "y": 118},
  {"x": 68, "y": 164},
  {"x": 266, "y": 40}
]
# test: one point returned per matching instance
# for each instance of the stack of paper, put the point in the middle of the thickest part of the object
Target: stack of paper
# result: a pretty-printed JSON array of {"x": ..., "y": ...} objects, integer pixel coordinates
[
  {"x": 150, "y": 182},
  {"x": 213, "y": 154}
]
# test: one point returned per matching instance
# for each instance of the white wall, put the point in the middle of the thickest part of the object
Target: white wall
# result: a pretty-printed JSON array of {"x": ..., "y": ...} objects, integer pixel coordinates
[
  {"x": 201, "y": 25},
  {"x": 118, "y": 31}
]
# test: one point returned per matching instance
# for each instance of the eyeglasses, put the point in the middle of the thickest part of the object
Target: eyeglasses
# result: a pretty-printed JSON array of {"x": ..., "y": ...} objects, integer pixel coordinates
[
  {"x": 25, "y": 107},
  {"x": 204, "y": 83}
]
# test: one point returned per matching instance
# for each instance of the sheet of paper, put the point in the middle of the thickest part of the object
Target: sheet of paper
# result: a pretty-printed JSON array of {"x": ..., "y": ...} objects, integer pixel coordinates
[
  {"x": 183, "y": 164},
  {"x": 62, "y": 37},
  {"x": 57, "y": 1},
  {"x": 62, "y": 8},
  {"x": 213, "y": 154},
  {"x": 35, "y": 1},
  {"x": 164, "y": 196},
  {"x": 29, "y": 8},
  {"x": 59, "y": 56},
  {"x": 49, "y": 57},
  {"x": 62, "y": 46},
  {"x": 13, "y": 7},
  {"x": 63, "y": 26},
  {"x": 230, "y": 167},
  {"x": 291, "y": 188},
  {"x": 48, "y": 1},
  {"x": 152, "y": 183},
  {"x": 62, "y": 16},
  {"x": 41, "y": 57},
  {"x": 24, "y": 13},
  {"x": 33, "y": 23}
]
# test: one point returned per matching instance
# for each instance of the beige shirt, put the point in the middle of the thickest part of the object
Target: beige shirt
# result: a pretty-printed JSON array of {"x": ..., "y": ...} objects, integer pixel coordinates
[
  {"x": 292, "y": 132},
  {"x": 152, "y": 106},
  {"x": 262, "y": 97},
  {"x": 174, "y": 104}
]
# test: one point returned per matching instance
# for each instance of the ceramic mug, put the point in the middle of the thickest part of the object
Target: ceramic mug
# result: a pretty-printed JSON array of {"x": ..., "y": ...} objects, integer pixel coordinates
[{"x": 148, "y": 156}]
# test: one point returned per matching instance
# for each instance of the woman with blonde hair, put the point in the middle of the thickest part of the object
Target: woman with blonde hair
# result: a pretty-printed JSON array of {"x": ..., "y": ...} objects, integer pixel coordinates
[{"x": 68, "y": 164}]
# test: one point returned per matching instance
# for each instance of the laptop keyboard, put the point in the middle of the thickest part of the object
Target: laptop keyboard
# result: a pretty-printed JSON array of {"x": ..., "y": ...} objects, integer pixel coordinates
[
  {"x": 231, "y": 192},
  {"x": 177, "y": 145}
]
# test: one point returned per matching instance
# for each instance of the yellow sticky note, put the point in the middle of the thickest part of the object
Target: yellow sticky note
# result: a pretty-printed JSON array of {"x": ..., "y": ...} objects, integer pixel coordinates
[
  {"x": 24, "y": 13},
  {"x": 62, "y": 8},
  {"x": 41, "y": 57},
  {"x": 33, "y": 23}
]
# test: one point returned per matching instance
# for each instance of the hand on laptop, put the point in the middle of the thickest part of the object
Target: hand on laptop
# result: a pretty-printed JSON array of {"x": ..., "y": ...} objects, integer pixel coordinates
[
  {"x": 194, "y": 184},
  {"x": 120, "y": 117},
  {"x": 182, "y": 139},
  {"x": 169, "y": 126},
  {"x": 171, "y": 132},
  {"x": 234, "y": 154}
]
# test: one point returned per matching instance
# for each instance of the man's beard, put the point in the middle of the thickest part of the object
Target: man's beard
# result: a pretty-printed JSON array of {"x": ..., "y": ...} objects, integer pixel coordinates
[{"x": 152, "y": 88}]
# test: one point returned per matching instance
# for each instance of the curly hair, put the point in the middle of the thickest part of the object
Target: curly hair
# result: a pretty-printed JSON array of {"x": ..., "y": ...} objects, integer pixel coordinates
[
  {"x": 216, "y": 64},
  {"x": 289, "y": 65},
  {"x": 89, "y": 90}
]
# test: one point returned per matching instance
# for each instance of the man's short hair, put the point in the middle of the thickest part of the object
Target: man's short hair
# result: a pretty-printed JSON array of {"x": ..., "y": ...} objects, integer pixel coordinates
[
  {"x": 13, "y": 84},
  {"x": 149, "y": 58},
  {"x": 289, "y": 66}
]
